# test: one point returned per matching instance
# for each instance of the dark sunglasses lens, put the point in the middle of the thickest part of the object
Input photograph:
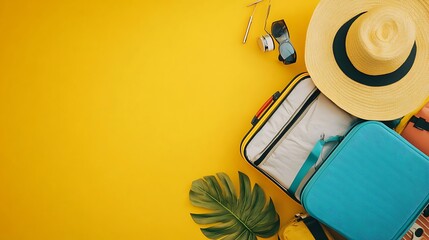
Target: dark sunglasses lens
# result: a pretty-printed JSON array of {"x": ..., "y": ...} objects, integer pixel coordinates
[
  {"x": 288, "y": 53},
  {"x": 278, "y": 28},
  {"x": 291, "y": 59}
]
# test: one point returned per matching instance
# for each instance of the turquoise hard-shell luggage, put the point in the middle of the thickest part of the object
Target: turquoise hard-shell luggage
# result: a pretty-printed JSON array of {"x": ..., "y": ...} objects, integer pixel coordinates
[{"x": 372, "y": 186}]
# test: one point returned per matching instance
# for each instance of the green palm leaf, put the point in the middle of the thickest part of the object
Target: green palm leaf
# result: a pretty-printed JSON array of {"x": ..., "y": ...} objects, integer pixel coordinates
[{"x": 231, "y": 216}]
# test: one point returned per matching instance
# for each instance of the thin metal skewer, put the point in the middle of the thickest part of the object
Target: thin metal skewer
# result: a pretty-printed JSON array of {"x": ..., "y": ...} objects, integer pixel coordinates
[
  {"x": 256, "y": 2},
  {"x": 266, "y": 18},
  {"x": 250, "y": 19}
]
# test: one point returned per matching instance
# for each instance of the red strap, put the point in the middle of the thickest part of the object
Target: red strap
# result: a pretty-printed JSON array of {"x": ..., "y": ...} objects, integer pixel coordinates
[{"x": 264, "y": 107}]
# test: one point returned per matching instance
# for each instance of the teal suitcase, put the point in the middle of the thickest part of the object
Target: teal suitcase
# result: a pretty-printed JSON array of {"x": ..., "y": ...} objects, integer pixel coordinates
[{"x": 373, "y": 185}]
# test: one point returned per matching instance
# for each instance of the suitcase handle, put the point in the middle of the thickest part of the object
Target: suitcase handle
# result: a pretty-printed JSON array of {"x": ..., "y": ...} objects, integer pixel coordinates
[
  {"x": 264, "y": 107},
  {"x": 311, "y": 160}
]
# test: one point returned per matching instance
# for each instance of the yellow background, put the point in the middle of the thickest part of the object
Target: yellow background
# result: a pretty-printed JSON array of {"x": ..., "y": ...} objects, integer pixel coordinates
[{"x": 110, "y": 109}]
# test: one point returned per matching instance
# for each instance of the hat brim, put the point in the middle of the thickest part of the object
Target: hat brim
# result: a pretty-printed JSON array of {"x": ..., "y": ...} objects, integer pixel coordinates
[{"x": 380, "y": 101}]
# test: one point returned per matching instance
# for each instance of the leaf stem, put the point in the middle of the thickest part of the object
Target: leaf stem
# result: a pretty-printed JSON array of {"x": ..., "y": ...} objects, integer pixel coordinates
[{"x": 227, "y": 209}]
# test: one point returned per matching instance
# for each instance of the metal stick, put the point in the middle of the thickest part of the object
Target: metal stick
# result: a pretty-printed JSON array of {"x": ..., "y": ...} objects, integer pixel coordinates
[
  {"x": 266, "y": 18},
  {"x": 256, "y": 2},
  {"x": 248, "y": 25}
]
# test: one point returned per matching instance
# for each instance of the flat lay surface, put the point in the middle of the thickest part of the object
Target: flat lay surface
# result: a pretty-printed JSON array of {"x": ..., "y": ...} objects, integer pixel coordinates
[{"x": 110, "y": 109}]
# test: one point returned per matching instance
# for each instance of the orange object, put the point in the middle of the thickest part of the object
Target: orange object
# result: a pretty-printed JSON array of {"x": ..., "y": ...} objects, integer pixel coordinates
[
  {"x": 417, "y": 130},
  {"x": 420, "y": 229}
]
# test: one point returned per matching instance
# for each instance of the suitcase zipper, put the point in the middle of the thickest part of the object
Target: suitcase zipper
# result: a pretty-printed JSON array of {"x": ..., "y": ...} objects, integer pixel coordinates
[
  {"x": 255, "y": 129},
  {"x": 303, "y": 108}
]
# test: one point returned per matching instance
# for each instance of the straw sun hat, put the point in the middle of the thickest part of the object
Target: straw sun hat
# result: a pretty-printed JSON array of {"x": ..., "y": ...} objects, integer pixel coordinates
[{"x": 370, "y": 57}]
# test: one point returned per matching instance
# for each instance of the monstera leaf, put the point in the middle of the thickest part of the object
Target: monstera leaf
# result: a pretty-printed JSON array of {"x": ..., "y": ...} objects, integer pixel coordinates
[{"x": 233, "y": 217}]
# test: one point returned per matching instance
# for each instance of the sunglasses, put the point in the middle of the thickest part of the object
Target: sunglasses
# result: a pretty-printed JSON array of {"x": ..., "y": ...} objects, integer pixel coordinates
[{"x": 281, "y": 34}]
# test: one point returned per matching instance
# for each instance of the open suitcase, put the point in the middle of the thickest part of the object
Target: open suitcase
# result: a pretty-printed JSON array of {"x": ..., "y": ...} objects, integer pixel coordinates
[
  {"x": 372, "y": 184},
  {"x": 286, "y": 129}
]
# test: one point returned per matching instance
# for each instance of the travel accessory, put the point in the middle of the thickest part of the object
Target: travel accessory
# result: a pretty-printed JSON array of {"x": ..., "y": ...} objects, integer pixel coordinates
[
  {"x": 416, "y": 232},
  {"x": 420, "y": 229},
  {"x": 370, "y": 57},
  {"x": 404, "y": 120},
  {"x": 304, "y": 227},
  {"x": 286, "y": 129},
  {"x": 417, "y": 130},
  {"x": 280, "y": 32},
  {"x": 367, "y": 188}
]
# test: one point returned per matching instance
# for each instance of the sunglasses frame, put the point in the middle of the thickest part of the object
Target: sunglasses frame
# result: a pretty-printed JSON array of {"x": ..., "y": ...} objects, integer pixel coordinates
[{"x": 280, "y": 32}]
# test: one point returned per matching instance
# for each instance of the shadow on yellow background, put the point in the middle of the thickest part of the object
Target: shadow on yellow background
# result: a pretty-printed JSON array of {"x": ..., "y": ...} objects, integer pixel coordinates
[{"x": 110, "y": 109}]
